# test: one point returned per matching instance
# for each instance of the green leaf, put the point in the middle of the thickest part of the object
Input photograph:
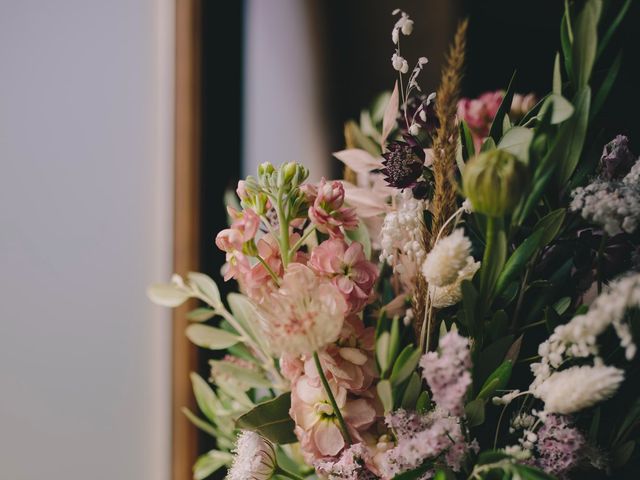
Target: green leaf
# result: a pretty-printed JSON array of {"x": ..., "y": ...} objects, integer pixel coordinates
[
  {"x": 606, "y": 38},
  {"x": 631, "y": 418},
  {"x": 514, "y": 350},
  {"x": 607, "y": 84},
  {"x": 211, "y": 337},
  {"x": 490, "y": 358},
  {"x": 210, "y": 462},
  {"x": 469, "y": 302},
  {"x": 594, "y": 427},
  {"x": 517, "y": 141},
  {"x": 531, "y": 473},
  {"x": 550, "y": 225},
  {"x": 206, "y": 286},
  {"x": 412, "y": 392},
  {"x": 571, "y": 137},
  {"x": 361, "y": 235},
  {"x": 198, "y": 422},
  {"x": 271, "y": 419},
  {"x": 382, "y": 351},
  {"x": 394, "y": 339},
  {"x": 474, "y": 411},
  {"x": 167, "y": 294},
  {"x": 405, "y": 365},
  {"x": 562, "y": 305},
  {"x": 491, "y": 456},
  {"x": 423, "y": 402},
  {"x": 498, "y": 380},
  {"x": 518, "y": 259},
  {"x": 248, "y": 377},
  {"x": 415, "y": 473},
  {"x": 557, "y": 75},
  {"x": 566, "y": 39},
  {"x": 466, "y": 139},
  {"x": 498, "y": 121},
  {"x": 585, "y": 41},
  {"x": 385, "y": 395},
  {"x": 205, "y": 396},
  {"x": 201, "y": 314},
  {"x": 498, "y": 325},
  {"x": 562, "y": 108},
  {"x": 623, "y": 453},
  {"x": 245, "y": 314}
]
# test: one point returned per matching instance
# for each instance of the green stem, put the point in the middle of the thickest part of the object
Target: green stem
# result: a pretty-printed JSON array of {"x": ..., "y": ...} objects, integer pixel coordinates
[
  {"x": 299, "y": 243},
  {"x": 285, "y": 473},
  {"x": 332, "y": 400},
  {"x": 268, "y": 268},
  {"x": 284, "y": 232}
]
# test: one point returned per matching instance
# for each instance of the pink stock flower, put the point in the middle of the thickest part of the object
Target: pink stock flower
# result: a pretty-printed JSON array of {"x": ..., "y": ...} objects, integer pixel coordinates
[
  {"x": 348, "y": 268},
  {"x": 354, "y": 464},
  {"x": 350, "y": 362},
  {"x": 237, "y": 266},
  {"x": 447, "y": 372},
  {"x": 316, "y": 423},
  {"x": 327, "y": 210},
  {"x": 480, "y": 112},
  {"x": 305, "y": 314},
  {"x": 243, "y": 229}
]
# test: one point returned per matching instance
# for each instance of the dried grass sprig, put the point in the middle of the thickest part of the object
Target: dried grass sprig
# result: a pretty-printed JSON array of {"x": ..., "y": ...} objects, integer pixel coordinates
[{"x": 445, "y": 145}]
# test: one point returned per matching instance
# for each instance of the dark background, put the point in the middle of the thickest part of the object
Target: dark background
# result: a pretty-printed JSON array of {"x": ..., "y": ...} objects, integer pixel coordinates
[{"x": 354, "y": 49}]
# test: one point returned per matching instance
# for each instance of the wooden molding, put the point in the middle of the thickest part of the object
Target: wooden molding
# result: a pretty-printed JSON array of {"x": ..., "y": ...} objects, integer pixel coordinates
[{"x": 184, "y": 443}]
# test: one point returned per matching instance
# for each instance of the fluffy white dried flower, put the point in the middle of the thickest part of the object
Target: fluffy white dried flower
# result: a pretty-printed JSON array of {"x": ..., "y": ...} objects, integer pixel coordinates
[
  {"x": 451, "y": 294},
  {"x": 448, "y": 257},
  {"x": 505, "y": 399},
  {"x": 255, "y": 458},
  {"x": 399, "y": 63},
  {"x": 577, "y": 388}
]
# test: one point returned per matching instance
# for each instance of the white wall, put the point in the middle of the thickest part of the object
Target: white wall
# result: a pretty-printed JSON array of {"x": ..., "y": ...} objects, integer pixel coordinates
[
  {"x": 85, "y": 225},
  {"x": 283, "y": 112}
]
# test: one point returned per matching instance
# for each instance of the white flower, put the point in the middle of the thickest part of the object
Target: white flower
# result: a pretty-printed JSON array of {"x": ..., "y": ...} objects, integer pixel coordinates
[
  {"x": 451, "y": 294},
  {"x": 577, "y": 388},
  {"x": 255, "y": 458},
  {"x": 401, "y": 237},
  {"x": 447, "y": 258},
  {"x": 399, "y": 63},
  {"x": 404, "y": 25},
  {"x": 505, "y": 399},
  {"x": 579, "y": 337},
  {"x": 304, "y": 314}
]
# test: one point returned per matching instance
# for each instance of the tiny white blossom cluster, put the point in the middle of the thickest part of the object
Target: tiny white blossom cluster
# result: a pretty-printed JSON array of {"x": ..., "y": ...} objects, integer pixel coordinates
[
  {"x": 401, "y": 236},
  {"x": 579, "y": 339},
  {"x": 612, "y": 204}
]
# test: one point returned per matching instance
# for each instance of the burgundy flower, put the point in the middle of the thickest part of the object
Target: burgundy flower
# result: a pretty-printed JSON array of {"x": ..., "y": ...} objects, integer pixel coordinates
[{"x": 403, "y": 165}]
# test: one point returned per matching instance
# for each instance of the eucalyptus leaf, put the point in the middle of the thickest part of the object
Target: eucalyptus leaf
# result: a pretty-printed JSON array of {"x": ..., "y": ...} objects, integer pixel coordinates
[
  {"x": 382, "y": 351},
  {"x": 198, "y": 422},
  {"x": 247, "y": 376},
  {"x": 211, "y": 337},
  {"x": 205, "y": 397},
  {"x": 572, "y": 135},
  {"x": 207, "y": 287},
  {"x": 245, "y": 314},
  {"x": 394, "y": 339},
  {"x": 271, "y": 419},
  {"x": 210, "y": 462},
  {"x": 201, "y": 314},
  {"x": 167, "y": 294},
  {"x": 562, "y": 108}
]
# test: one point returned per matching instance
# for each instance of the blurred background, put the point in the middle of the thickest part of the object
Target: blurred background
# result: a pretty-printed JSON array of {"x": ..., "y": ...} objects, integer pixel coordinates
[{"x": 122, "y": 122}]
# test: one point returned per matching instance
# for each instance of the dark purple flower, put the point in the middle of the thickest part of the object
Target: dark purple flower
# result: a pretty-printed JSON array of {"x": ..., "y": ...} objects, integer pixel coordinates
[
  {"x": 403, "y": 164},
  {"x": 617, "y": 159}
]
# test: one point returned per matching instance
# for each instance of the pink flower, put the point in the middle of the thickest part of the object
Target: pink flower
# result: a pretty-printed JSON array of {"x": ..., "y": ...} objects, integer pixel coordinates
[
  {"x": 354, "y": 464},
  {"x": 327, "y": 211},
  {"x": 350, "y": 362},
  {"x": 305, "y": 314},
  {"x": 479, "y": 114},
  {"x": 521, "y": 104},
  {"x": 316, "y": 423},
  {"x": 243, "y": 229},
  {"x": 447, "y": 372},
  {"x": 348, "y": 268},
  {"x": 237, "y": 266}
]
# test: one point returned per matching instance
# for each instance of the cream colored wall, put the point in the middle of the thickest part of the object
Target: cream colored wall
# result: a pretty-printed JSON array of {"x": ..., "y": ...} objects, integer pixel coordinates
[{"x": 85, "y": 225}]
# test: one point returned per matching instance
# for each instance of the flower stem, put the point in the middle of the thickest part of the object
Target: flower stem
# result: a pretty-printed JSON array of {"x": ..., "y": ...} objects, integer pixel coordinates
[
  {"x": 284, "y": 232},
  {"x": 299, "y": 243},
  {"x": 268, "y": 269},
  {"x": 285, "y": 473},
  {"x": 332, "y": 400}
]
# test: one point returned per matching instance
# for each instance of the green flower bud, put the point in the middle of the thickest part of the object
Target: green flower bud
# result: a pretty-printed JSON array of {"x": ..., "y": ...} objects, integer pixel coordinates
[
  {"x": 265, "y": 168},
  {"x": 494, "y": 182}
]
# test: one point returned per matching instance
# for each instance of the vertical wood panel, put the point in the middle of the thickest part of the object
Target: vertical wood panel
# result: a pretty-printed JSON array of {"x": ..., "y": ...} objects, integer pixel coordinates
[{"x": 186, "y": 224}]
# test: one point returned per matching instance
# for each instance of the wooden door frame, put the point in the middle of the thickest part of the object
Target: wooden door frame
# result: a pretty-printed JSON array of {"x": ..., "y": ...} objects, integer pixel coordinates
[{"x": 186, "y": 253}]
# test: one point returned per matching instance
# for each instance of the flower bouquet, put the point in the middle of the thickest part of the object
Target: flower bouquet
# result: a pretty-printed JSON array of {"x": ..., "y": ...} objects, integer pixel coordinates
[{"x": 464, "y": 304}]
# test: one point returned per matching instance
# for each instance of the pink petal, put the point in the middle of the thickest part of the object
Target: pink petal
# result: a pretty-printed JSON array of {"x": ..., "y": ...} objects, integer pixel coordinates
[
  {"x": 358, "y": 160},
  {"x": 328, "y": 438},
  {"x": 390, "y": 114}
]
